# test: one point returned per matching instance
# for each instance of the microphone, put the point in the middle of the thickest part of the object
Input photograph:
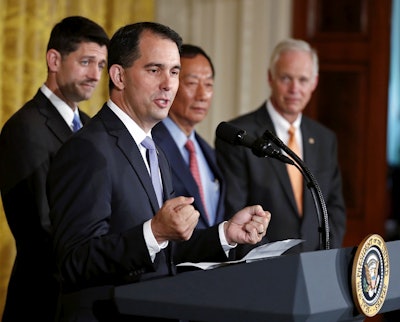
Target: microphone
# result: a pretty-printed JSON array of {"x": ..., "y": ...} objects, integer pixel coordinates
[
  {"x": 316, "y": 192},
  {"x": 268, "y": 135},
  {"x": 260, "y": 147}
]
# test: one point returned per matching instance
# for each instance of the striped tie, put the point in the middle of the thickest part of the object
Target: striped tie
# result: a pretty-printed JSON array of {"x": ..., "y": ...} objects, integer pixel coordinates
[{"x": 194, "y": 169}]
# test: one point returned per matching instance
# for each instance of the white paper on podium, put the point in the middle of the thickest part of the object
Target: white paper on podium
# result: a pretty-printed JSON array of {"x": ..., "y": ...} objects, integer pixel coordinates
[{"x": 261, "y": 252}]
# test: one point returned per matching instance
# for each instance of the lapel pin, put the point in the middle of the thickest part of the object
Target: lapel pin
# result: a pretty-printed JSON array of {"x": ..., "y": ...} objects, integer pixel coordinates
[{"x": 311, "y": 140}]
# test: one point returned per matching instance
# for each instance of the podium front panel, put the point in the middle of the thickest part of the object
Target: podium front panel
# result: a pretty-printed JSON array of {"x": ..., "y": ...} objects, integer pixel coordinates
[{"x": 313, "y": 286}]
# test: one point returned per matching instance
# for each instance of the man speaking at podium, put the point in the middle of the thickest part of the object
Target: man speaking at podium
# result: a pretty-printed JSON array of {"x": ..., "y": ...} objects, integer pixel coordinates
[
  {"x": 292, "y": 76},
  {"x": 115, "y": 217}
]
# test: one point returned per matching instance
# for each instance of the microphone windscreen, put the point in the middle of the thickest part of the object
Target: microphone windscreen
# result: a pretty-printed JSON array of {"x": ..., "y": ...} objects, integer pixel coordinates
[{"x": 228, "y": 133}]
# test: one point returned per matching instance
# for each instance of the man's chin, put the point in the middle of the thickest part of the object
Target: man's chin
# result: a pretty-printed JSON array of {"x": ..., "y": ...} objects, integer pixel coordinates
[{"x": 294, "y": 109}]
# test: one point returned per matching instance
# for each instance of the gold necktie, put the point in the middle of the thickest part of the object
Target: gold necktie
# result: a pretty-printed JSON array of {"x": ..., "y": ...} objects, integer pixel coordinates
[{"x": 295, "y": 175}]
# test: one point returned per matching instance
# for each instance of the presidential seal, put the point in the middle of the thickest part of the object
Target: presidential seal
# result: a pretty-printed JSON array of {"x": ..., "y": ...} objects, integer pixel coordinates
[{"x": 370, "y": 275}]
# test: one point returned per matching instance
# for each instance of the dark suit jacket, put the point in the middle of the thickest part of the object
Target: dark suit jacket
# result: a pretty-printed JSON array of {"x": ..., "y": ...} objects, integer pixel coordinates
[
  {"x": 254, "y": 180},
  {"x": 182, "y": 179},
  {"x": 100, "y": 194},
  {"x": 28, "y": 142}
]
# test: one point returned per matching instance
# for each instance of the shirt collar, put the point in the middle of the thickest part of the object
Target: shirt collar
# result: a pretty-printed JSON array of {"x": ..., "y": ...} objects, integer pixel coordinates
[
  {"x": 178, "y": 135},
  {"x": 134, "y": 129},
  {"x": 63, "y": 108},
  {"x": 279, "y": 121}
]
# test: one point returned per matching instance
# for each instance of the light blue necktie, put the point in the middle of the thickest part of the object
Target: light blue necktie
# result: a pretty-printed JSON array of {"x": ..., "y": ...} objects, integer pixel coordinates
[
  {"x": 76, "y": 123},
  {"x": 148, "y": 143}
]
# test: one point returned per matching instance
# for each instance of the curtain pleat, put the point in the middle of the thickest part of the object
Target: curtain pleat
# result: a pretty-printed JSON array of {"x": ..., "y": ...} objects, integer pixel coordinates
[{"x": 25, "y": 27}]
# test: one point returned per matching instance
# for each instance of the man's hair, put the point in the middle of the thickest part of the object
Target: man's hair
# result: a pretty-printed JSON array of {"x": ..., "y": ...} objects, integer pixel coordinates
[
  {"x": 191, "y": 51},
  {"x": 124, "y": 44},
  {"x": 66, "y": 35},
  {"x": 291, "y": 44}
]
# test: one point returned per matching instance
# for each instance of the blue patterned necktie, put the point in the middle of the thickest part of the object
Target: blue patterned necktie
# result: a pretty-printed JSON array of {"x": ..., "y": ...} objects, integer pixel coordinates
[
  {"x": 76, "y": 123},
  {"x": 148, "y": 143}
]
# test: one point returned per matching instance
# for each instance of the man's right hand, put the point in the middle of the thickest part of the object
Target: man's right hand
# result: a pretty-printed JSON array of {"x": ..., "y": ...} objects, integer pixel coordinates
[{"x": 175, "y": 220}]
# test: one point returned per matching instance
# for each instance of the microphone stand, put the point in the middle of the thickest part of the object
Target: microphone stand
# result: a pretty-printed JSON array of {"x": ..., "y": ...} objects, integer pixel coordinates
[{"x": 312, "y": 185}]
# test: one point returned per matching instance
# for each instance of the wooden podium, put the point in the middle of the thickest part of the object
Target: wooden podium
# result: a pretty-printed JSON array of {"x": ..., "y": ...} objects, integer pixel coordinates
[{"x": 314, "y": 286}]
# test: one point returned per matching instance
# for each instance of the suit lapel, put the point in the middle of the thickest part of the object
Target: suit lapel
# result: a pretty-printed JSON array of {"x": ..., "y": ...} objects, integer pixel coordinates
[
  {"x": 309, "y": 144},
  {"x": 179, "y": 168},
  {"x": 277, "y": 166},
  {"x": 53, "y": 119},
  {"x": 310, "y": 157},
  {"x": 165, "y": 174},
  {"x": 209, "y": 154},
  {"x": 184, "y": 173},
  {"x": 84, "y": 117},
  {"x": 129, "y": 148}
]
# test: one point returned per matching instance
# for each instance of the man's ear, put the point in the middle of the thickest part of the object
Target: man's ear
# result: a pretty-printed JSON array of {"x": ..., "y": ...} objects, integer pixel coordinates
[
  {"x": 269, "y": 76},
  {"x": 53, "y": 58},
  {"x": 116, "y": 73},
  {"x": 315, "y": 82}
]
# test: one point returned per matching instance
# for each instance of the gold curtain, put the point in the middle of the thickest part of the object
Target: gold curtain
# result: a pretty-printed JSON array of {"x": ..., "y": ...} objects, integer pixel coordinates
[{"x": 25, "y": 26}]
